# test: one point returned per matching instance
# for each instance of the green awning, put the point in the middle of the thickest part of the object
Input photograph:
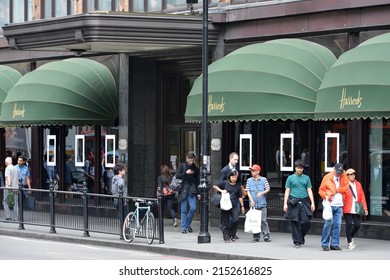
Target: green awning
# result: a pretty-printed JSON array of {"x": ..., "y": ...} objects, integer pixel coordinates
[
  {"x": 75, "y": 91},
  {"x": 358, "y": 84},
  {"x": 277, "y": 79},
  {"x": 8, "y": 78}
]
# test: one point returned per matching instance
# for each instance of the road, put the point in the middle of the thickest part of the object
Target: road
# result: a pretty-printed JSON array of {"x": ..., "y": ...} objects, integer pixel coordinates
[{"x": 17, "y": 248}]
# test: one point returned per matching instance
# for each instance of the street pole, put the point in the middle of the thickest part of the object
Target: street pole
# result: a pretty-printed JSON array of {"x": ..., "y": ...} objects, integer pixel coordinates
[{"x": 204, "y": 235}]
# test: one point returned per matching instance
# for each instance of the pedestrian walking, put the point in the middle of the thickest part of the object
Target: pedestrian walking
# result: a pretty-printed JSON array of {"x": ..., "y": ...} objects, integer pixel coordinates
[
  {"x": 333, "y": 186},
  {"x": 257, "y": 187},
  {"x": 189, "y": 173},
  {"x": 225, "y": 171},
  {"x": 298, "y": 203},
  {"x": 355, "y": 194},
  {"x": 229, "y": 229},
  {"x": 166, "y": 193}
]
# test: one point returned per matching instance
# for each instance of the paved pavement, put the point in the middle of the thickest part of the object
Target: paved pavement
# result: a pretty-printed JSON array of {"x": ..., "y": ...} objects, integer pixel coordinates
[{"x": 186, "y": 245}]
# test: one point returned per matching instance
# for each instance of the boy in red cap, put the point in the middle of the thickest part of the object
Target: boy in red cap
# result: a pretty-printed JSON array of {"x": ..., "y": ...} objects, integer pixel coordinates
[{"x": 257, "y": 187}]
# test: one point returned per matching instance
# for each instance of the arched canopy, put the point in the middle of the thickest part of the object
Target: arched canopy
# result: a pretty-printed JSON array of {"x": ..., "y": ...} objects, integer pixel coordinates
[
  {"x": 274, "y": 80},
  {"x": 75, "y": 91},
  {"x": 8, "y": 78},
  {"x": 358, "y": 84}
]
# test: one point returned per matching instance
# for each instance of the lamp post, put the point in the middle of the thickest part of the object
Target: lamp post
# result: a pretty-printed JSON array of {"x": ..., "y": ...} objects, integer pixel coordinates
[{"x": 204, "y": 235}]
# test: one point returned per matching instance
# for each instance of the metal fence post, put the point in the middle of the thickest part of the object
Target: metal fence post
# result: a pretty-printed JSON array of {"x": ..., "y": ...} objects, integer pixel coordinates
[
  {"x": 51, "y": 205},
  {"x": 85, "y": 210},
  {"x": 160, "y": 219},
  {"x": 20, "y": 204},
  {"x": 120, "y": 210}
]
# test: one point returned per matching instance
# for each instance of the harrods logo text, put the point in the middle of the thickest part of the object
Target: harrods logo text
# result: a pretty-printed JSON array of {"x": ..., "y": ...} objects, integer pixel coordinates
[
  {"x": 215, "y": 106},
  {"x": 350, "y": 100},
  {"x": 18, "y": 112}
]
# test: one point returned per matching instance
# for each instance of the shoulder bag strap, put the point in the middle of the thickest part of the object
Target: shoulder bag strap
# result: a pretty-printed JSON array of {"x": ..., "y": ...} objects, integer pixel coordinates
[{"x": 354, "y": 196}]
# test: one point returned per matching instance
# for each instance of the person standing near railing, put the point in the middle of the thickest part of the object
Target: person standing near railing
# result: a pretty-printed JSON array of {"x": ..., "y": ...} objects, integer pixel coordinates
[
  {"x": 11, "y": 181},
  {"x": 117, "y": 181},
  {"x": 24, "y": 174}
]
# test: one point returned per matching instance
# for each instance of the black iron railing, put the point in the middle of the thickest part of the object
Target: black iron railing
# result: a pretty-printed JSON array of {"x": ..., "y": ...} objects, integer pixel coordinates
[{"x": 77, "y": 210}]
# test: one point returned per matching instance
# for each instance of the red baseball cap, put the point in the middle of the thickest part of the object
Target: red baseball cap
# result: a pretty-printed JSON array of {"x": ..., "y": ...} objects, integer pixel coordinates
[{"x": 255, "y": 167}]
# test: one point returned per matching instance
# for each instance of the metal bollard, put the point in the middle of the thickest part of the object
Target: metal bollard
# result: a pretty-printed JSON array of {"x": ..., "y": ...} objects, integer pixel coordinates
[
  {"x": 160, "y": 220},
  {"x": 85, "y": 210},
  {"x": 20, "y": 204},
  {"x": 120, "y": 210},
  {"x": 52, "y": 208}
]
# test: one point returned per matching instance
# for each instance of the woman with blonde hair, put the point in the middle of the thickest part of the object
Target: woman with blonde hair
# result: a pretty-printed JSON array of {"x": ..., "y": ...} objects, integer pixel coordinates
[{"x": 166, "y": 193}]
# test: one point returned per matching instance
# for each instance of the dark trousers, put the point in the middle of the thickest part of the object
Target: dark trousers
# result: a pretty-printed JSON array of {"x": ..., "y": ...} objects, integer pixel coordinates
[
  {"x": 352, "y": 230},
  {"x": 300, "y": 227},
  {"x": 229, "y": 231},
  {"x": 168, "y": 200}
]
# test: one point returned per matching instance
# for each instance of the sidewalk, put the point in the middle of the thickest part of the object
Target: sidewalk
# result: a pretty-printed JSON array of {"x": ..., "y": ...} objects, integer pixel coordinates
[{"x": 186, "y": 245}]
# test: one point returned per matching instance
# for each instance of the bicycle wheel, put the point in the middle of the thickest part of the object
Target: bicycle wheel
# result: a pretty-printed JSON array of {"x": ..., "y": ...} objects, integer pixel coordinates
[
  {"x": 150, "y": 228},
  {"x": 129, "y": 227}
]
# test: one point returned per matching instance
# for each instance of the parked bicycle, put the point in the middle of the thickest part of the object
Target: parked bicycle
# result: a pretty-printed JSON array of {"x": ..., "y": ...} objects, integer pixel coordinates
[{"x": 134, "y": 223}]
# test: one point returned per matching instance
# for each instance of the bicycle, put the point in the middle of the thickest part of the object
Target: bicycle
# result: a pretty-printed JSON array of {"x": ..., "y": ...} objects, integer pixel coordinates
[{"x": 132, "y": 224}]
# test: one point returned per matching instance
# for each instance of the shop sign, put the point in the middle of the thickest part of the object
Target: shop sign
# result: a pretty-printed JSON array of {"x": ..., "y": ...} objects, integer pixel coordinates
[
  {"x": 350, "y": 100},
  {"x": 18, "y": 111},
  {"x": 215, "y": 105}
]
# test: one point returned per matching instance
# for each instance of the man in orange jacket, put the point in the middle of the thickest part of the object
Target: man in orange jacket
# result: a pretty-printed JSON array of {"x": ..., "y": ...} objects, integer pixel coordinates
[{"x": 333, "y": 185}]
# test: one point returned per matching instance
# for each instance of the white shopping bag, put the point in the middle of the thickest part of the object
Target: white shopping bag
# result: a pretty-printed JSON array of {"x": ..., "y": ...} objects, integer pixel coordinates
[
  {"x": 253, "y": 221},
  {"x": 226, "y": 203},
  {"x": 327, "y": 211}
]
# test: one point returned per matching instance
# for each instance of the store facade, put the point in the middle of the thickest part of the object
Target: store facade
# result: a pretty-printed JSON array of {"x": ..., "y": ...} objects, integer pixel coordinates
[{"x": 154, "y": 75}]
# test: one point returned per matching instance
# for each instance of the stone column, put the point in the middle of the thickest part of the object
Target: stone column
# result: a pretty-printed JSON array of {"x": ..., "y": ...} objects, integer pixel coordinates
[{"x": 123, "y": 106}]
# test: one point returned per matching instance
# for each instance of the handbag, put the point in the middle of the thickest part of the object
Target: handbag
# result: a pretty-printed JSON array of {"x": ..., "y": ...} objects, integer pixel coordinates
[
  {"x": 358, "y": 205},
  {"x": 359, "y": 208},
  {"x": 216, "y": 199},
  {"x": 226, "y": 203},
  {"x": 176, "y": 184},
  {"x": 327, "y": 211},
  {"x": 253, "y": 221}
]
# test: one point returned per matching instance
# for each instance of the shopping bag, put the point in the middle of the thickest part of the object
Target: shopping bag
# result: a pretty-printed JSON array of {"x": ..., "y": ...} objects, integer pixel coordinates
[
  {"x": 327, "y": 211},
  {"x": 226, "y": 203},
  {"x": 253, "y": 221}
]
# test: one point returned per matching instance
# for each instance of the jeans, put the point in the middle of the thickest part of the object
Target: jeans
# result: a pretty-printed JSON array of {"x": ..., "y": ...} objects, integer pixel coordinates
[
  {"x": 186, "y": 218},
  {"x": 264, "y": 225},
  {"x": 332, "y": 228}
]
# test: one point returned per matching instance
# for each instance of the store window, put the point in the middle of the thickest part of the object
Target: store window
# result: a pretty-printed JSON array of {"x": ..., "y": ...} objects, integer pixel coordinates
[
  {"x": 61, "y": 8},
  {"x": 18, "y": 11},
  {"x": 379, "y": 155},
  {"x": 4, "y": 14}
]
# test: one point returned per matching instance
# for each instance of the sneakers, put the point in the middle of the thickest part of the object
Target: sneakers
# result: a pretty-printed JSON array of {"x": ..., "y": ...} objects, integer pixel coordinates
[
  {"x": 351, "y": 246},
  {"x": 255, "y": 240},
  {"x": 175, "y": 222}
]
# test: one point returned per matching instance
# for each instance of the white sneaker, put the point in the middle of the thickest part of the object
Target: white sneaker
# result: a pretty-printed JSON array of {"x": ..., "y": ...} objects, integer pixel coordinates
[
  {"x": 351, "y": 246},
  {"x": 175, "y": 222}
]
